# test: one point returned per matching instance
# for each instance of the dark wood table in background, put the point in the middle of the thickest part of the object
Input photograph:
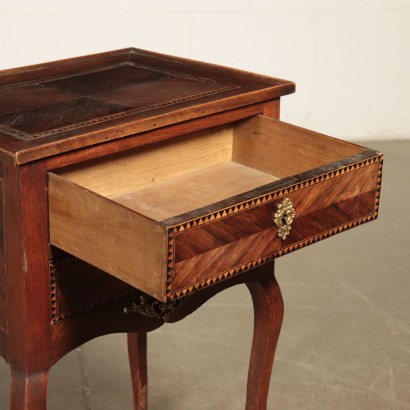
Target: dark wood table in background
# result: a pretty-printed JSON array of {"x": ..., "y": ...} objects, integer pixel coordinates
[{"x": 107, "y": 229}]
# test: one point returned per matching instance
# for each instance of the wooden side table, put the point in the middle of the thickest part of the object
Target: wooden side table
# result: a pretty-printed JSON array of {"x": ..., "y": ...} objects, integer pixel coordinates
[{"x": 136, "y": 186}]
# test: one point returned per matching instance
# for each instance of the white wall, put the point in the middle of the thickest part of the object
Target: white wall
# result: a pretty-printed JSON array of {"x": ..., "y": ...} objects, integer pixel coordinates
[{"x": 349, "y": 58}]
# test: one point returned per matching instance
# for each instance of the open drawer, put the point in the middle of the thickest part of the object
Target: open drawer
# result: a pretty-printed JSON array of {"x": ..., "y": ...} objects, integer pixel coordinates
[{"x": 174, "y": 217}]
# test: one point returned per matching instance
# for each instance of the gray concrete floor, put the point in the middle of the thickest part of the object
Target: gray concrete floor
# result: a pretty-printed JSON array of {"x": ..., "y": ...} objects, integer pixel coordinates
[{"x": 345, "y": 341}]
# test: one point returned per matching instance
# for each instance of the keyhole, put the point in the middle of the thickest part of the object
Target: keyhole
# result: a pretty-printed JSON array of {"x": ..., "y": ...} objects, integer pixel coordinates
[{"x": 284, "y": 219}]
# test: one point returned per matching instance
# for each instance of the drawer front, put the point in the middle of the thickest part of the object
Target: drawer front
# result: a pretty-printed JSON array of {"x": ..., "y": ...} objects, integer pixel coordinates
[{"x": 222, "y": 244}]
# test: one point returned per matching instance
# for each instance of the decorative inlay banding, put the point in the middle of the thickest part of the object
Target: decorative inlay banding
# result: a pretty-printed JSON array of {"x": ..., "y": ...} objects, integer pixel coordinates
[
  {"x": 56, "y": 315},
  {"x": 271, "y": 196},
  {"x": 15, "y": 133},
  {"x": 127, "y": 111}
]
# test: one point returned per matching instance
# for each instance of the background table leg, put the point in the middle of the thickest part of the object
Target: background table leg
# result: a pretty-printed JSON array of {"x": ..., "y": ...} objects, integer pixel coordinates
[
  {"x": 268, "y": 311},
  {"x": 28, "y": 391},
  {"x": 137, "y": 352}
]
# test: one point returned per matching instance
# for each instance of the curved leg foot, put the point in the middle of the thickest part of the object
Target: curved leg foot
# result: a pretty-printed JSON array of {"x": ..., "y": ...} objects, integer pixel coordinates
[
  {"x": 137, "y": 352},
  {"x": 268, "y": 310},
  {"x": 28, "y": 391}
]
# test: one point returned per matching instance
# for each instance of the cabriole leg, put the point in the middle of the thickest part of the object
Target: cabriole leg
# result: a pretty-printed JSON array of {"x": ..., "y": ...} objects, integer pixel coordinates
[{"x": 268, "y": 311}]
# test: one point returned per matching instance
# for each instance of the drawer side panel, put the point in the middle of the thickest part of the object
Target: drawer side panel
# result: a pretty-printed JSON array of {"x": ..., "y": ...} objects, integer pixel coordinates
[{"x": 106, "y": 235}]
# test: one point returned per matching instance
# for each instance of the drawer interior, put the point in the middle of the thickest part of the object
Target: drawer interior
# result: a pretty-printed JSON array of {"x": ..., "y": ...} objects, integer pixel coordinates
[{"x": 164, "y": 180}]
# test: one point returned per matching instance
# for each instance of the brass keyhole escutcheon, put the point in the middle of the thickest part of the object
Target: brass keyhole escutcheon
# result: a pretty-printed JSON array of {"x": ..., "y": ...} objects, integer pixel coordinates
[{"x": 283, "y": 218}]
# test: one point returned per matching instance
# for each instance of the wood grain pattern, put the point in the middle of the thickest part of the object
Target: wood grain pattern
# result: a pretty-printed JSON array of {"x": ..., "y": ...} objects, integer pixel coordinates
[
  {"x": 130, "y": 94},
  {"x": 150, "y": 137},
  {"x": 37, "y": 120},
  {"x": 147, "y": 94},
  {"x": 30, "y": 150},
  {"x": 283, "y": 149},
  {"x": 273, "y": 190},
  {"x": 97, "y": 98},
  {"x": 252, "y": 221},
  {"x": 272, "y": 109},
  {"x": 21, "y": 99},
  {"x": 235, "y": 253},
  {"x": 28, "y": 390},
  {"x": 119, "y": 176},
  {"x": 103, "y": 80},
  {"x": 194, "y": 190},
  {"x": 113, "y": 239},
  {"x": 27, "y": 284},
  {"x": 124, "y": 173}
]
